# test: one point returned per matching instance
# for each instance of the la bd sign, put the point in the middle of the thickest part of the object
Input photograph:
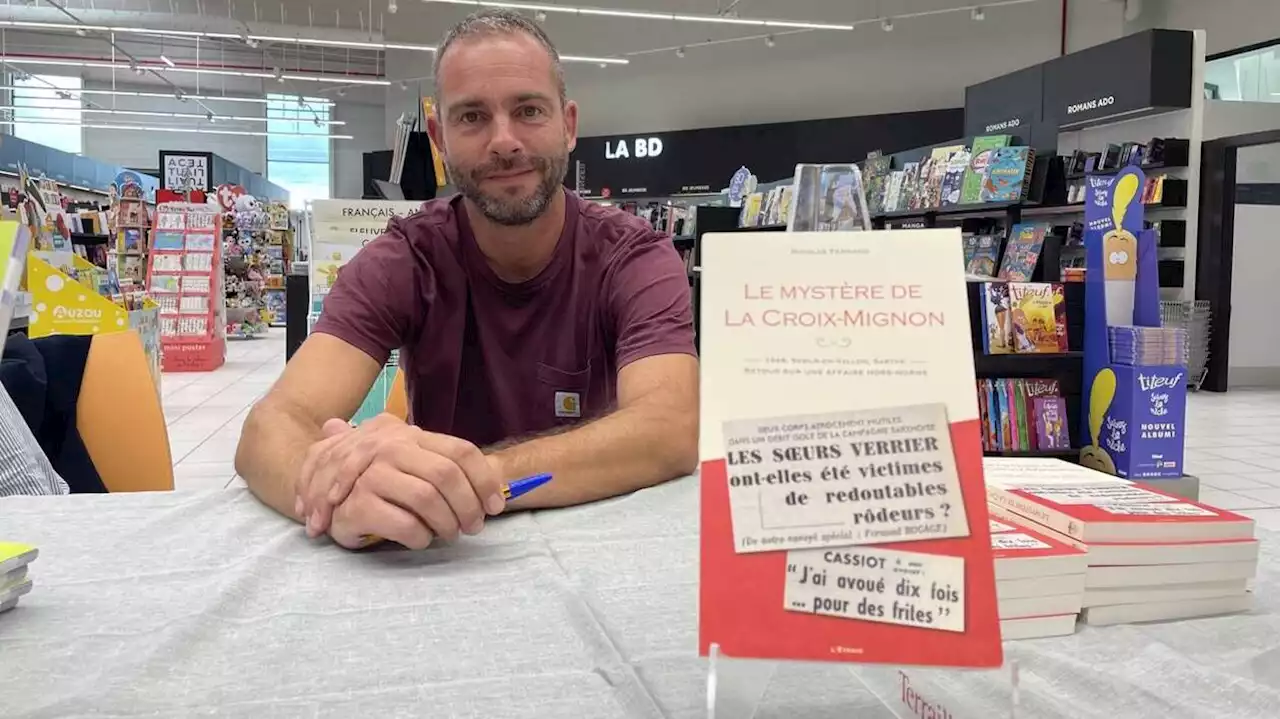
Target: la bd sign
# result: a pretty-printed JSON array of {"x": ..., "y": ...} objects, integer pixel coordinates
[{"x": 637, "y": 148}]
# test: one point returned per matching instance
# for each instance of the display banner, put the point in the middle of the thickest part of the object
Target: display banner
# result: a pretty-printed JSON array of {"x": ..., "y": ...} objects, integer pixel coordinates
[
  {"x": 697, "y": 161},
  {"x": 339, "y": 228},
  {"x": 182, "y": 171},
  {"x": 1139, "y": 74},
  {"x": 1011, "y": 104}
]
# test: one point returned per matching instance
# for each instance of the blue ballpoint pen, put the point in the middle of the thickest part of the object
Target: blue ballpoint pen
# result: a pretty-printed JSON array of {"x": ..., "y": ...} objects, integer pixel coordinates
[{"x": 510, "y": 491}]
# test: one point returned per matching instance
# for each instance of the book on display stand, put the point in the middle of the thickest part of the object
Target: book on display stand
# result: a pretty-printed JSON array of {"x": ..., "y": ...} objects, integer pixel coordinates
[{"x": 843, "y": 512}]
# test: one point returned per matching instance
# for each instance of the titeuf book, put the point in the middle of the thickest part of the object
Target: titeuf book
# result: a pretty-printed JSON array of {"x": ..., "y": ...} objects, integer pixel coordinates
[{"x": 843, "y": 512}]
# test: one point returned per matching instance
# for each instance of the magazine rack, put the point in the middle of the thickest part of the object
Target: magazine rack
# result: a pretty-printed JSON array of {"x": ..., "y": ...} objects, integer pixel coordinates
[{"x": 735, "y": 688}]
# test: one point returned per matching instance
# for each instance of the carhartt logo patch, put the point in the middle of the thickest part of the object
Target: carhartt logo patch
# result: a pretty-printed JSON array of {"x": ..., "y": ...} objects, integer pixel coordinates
[{"x": 568, "y": 404}]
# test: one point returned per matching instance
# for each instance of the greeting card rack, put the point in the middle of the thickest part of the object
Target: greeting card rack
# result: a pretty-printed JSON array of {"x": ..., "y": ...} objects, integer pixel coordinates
[{"x": 185, "y": 278}]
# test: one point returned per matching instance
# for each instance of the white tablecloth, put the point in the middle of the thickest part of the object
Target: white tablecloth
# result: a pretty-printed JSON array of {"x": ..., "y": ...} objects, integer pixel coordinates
[{"x": 208, "y": 604}]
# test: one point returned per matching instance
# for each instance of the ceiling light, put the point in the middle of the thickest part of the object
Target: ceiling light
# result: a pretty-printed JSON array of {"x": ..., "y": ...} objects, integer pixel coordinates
[
  {"x": 189, "y": 130},
  {"x": 978, "y": 14},
  {"x": 214, "y": 98},
  {"x": 648, "y": 15},
  {"x": 342, "y": 92},
  {"x": 179, "y": 115},
  {"x": 769, "y": 41},
  {"x": 392, "y": 7},
  {"x": 81, "y": 32},
  {"x": 179, "y": 95},
  {"x": 136, "y": 70},
  {"x": 168, "y": 62},
  {"x": 887, "y": 24},
  {"x": 254, "y": 40},
  {"x": 679, "y": 52},
  {"x": 403, "y": 86},
  {"x": 540, "y": 16},
  {"x": 604, "y": 65}
]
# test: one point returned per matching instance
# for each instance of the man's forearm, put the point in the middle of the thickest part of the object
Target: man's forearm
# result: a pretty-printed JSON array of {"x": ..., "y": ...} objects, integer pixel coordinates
[
  {"x": 273, "y": 445},
  {"x": 630, "y": 449}
]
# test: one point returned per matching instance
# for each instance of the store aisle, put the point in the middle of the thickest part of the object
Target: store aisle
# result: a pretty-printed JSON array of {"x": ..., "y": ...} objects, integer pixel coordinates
[
  {"x": 1233, "y": 439},
  {"x": 204, "y": 411}
]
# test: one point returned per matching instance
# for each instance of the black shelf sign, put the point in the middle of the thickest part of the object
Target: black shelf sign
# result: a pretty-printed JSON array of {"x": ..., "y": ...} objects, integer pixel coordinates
[
  {"x": 1011, "y": 104},
  {"x": 1142, "y": 74}
]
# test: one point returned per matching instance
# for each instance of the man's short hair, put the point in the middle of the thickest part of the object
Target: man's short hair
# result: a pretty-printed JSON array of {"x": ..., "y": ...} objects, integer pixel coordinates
[{"x": 499, "y": 21}]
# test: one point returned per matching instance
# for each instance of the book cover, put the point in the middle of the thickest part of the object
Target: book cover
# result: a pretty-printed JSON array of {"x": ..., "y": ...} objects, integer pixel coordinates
[
  {"x": 893, "y": 192},
  {"x": 1090, "y": 506},
  {"x": 1026, "y": 428},
  {"x": 979, "y": 159},
  {"x": 985, "y": 254},
  {"x": 970, "y": 249},
  {"x": 995, "y": 312},
  {"x": 1006, "y": 430},
  {"x": 1021, "y": 551},
  {"x": 887, "y": 461},
  {"x": 1008, "y": 174},
  {"x": 953, "y": 178},
  {"x": 1022, "y": 251},
  {"x": 15, "y": 554},
  {"x": 1034, "y": 317},
  {"x": 876, "y": 173},
  {"x": 983, "y": 414},
  {"x": 1051, "y": 423},
  {"x": 993, "y": 439}
]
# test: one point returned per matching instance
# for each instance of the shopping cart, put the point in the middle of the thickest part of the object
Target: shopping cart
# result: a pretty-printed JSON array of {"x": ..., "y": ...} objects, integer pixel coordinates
[{"x": 1194, "y": 317}]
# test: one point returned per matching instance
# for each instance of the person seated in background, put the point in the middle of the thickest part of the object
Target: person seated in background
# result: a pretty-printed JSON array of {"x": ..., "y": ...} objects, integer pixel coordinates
[
  {"x": 537, "y": 332},
  {"x": 24, "y": 468}
]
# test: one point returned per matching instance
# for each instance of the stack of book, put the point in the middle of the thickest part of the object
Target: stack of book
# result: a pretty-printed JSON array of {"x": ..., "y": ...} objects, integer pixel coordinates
[
  {"x": 1150, "y": 555},
  {"x": 1147, "y": 346},
  {"x": 1039, "y": 581},
  {"x": 14, "y": 581}
]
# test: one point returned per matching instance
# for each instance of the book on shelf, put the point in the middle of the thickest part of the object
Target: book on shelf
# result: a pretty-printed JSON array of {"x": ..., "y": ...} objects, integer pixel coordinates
[
  {"x": 828, "y": 198},
  {"x": 953, "y": 177},
  {"x": 1008, "y": 174},
  {"x": 875, "y": 172},
  {"x": 1022, "y": 415},
  {"x": 981, "y": 253},
  {"x": 1022, "y": 251},
  {"x": 979, "y": 159},
  {"x": 1038, "y": 317}
]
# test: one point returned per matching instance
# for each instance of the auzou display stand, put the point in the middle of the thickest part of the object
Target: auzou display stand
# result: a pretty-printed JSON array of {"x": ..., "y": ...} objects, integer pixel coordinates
[
  {"x": 1134, "y": 424},
  {"x": 735, "y": 688}
]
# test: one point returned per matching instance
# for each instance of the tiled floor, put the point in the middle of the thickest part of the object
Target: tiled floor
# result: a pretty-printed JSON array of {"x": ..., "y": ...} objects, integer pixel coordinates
[
  {"x": 205, "y": 411},
  {"x": 1233, "y": 439}
]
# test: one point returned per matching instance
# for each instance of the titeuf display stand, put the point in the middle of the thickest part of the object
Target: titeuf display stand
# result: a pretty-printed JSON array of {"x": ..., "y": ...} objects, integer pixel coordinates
[{"x": 843, "y": 511}]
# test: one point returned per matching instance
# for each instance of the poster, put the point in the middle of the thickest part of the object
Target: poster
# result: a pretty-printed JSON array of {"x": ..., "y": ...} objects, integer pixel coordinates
[
  {"x": 181, "y": 172},
  {"x": 843, "y": 506},
  {"x": 339, "y": 228}
]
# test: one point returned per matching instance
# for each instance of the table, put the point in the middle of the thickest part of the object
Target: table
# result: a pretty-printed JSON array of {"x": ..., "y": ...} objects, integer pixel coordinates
[{"x": 209, "y": 604}]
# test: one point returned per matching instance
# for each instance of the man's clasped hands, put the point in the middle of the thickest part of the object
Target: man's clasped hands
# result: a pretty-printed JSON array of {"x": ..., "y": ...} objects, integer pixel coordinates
[{"x": 392, "y": 480}]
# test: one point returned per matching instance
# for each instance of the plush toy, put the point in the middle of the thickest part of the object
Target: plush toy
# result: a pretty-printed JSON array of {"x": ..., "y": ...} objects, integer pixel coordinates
[{"x": 247, "y": 203}]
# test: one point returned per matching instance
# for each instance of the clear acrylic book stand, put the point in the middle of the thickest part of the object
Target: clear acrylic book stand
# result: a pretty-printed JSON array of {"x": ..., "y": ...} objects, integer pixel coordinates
[{"x": 736, "y": 686}]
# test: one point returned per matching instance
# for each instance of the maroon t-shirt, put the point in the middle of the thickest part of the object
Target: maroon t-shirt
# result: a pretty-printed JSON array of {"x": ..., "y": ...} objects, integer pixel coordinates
[{"x": 487, "y": 360}]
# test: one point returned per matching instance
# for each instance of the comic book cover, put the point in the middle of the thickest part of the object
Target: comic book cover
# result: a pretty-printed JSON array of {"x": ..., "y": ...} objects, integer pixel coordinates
[
  {"x": 953, "y": 178},
  {"x": 876, "y": 175},
  {"x": 995, "y": 318},
  {"x": 893, "y": 192},
  {"x": 1007, "y": 175},
  {"x": 916, "y": 179},
  {"x": 1051, "y": 423},
  {"x": 986, "y": 252},
  {"x": 979, "y": 158},
  {"x": 832, "y": 199},
  {"x": 1022, "y": 251},
  {"x": 1033, "y": 322}
]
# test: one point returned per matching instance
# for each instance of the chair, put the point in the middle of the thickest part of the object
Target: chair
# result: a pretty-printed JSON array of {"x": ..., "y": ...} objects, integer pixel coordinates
[
  {"x": 398, "y": 398},
  {"x": 120, "y": 418}
]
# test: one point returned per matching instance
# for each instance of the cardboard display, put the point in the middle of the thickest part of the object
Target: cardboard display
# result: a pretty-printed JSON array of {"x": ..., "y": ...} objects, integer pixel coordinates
[{"x": 1135, "y": 416}]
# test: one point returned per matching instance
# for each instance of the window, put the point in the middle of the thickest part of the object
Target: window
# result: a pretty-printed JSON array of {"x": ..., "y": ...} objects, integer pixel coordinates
[
  {"x": 44, "y": 117},
  {"x": 298, "y": 147},
  {"x": 1250, "y": 76}
]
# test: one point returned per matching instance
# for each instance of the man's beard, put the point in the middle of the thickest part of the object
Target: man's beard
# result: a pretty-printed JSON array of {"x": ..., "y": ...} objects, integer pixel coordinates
[{"x": 505, "y": 209}]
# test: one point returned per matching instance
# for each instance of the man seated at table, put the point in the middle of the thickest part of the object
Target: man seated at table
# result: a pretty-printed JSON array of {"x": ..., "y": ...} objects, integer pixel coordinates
[{"x": 538, "y": 332}]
